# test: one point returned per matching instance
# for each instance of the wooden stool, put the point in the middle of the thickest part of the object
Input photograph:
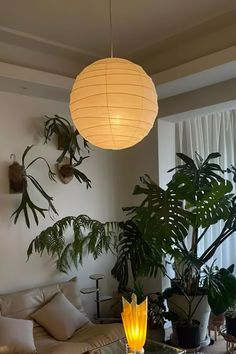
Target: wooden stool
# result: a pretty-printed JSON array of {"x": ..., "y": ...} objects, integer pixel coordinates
[{"x": 215, "y": 324}]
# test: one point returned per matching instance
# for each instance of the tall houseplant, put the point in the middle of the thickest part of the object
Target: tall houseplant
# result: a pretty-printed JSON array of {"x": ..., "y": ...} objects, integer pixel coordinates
[{"x": 197, "y": 197}]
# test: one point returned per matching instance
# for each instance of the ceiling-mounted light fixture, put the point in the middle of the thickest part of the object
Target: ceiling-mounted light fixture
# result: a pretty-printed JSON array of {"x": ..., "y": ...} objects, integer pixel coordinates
[{"x": 113, "y": 102}]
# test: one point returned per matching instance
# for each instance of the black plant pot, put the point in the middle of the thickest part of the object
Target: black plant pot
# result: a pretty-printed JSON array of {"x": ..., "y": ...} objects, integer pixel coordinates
[
  {"x": 188, "y": 334},
  {"x": 230, "y": 325}
]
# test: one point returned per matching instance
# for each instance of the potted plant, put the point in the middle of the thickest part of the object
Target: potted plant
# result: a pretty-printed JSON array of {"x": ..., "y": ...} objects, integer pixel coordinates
[
  {"x": 230, "y": 320},
  {"x": 187, "y": 311},
  {"x": 176, "y": 219},
  {"x": 186, "y": 330}
]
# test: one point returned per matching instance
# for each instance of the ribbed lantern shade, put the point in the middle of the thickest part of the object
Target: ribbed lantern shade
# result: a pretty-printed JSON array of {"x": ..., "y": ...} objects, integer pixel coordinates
[{"x": 113, "y": 103}]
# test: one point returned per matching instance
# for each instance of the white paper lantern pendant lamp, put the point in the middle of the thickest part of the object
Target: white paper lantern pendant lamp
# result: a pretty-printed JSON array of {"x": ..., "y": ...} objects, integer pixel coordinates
[{"x": 113, "y": 103}]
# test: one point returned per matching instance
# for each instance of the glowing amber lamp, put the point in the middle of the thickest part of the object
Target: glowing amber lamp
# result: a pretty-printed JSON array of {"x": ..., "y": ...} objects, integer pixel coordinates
[{"x": 134, "y": 319}]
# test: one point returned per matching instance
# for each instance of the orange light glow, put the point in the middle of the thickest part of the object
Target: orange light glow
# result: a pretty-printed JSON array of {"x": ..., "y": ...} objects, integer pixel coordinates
[{"x": 134, "y": 319}]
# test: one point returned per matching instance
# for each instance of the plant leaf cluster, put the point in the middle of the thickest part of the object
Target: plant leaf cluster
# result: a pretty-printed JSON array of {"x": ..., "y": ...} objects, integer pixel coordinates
[
  {"x": 60, "y": 127},
  {"x": 88, "y": 236},
  {"x": 69, "y": 138},
  {"x": 197, "y": 197},
  {"x": 27, "y": 204}
]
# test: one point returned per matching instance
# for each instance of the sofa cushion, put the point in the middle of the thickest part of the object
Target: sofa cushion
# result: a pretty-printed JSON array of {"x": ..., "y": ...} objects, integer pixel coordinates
[
  {"x": 60, "y": 318},
  {"x": 88, "y": 337},
  {"x": 23, "y": 303},
  {"x": 16, "y": 336}
]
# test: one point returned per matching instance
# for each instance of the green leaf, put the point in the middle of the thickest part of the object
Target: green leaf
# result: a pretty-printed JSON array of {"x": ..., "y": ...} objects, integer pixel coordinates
[
  {"x": 81, "y": 177},
  {"x": 62, "y": 128},
  {"x": 188, "y": 161},
  {"x": 142, "y": 255},
  {"x": 26, "y": 203},
  {"x": 221, "y": 291},
  {"x": 28, "y": 148},
  {"x": 214, "y": 204},
  {"x": 89, "y": 235}
]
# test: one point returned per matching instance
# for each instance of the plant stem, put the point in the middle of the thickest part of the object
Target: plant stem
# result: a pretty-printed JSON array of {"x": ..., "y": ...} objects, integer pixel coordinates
[{"x": 201, "y": 236}]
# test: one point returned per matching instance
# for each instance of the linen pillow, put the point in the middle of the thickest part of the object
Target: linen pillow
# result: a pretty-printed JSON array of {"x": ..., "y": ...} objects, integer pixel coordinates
[
  {"x": 60, "y": 318},
  {"x": 16, "y": 336}
]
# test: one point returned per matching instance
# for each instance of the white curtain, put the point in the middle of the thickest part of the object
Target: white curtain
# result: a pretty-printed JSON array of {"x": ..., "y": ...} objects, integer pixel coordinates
[{"x": 215, "y": 132}]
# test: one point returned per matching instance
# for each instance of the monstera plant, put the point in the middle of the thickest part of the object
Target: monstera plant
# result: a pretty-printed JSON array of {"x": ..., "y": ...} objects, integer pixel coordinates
[{"x": 197, "y": 197}]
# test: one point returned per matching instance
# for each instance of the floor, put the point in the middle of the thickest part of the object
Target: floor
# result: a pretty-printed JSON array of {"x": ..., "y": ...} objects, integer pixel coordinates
[{"x": 219, "y": 347}]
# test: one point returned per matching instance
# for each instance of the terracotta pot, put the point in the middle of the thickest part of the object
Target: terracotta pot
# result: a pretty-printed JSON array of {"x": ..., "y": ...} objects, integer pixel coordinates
[{"x": 179, "y": 305}]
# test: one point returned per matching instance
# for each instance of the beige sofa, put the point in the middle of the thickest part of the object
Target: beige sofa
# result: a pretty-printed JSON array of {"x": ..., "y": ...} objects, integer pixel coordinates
[{"x": 22, "y": 305}]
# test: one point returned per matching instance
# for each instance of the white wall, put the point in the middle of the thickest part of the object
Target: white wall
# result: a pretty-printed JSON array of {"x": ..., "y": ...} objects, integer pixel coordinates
[
  {"x": 128, "y": 166},
  {"x": 20, "y": 125}
]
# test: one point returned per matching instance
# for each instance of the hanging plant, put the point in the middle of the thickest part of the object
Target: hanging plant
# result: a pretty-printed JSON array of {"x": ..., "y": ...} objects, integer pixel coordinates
[
  {"x": 71, "y": 156},
  {"x": 26, "y": 202},
  {"x": 15, "y": 174}
]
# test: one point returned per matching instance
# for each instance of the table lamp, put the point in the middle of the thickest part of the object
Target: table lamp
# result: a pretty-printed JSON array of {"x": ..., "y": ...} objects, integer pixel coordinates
[{"x": 134, "y": 319}]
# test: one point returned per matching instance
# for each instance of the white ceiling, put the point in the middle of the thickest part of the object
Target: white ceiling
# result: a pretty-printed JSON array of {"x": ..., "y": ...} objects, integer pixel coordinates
[
  {"x": 84, "y": 24},
  {"x": 73, "y": 33}
]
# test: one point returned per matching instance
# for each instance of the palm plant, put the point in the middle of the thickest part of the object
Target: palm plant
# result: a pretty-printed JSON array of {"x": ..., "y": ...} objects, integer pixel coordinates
[{"x": 26, "y": 201}]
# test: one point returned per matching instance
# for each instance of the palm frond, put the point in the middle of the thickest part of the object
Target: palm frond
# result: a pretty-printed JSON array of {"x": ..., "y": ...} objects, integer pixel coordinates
[{"x": 88, "y": 236}]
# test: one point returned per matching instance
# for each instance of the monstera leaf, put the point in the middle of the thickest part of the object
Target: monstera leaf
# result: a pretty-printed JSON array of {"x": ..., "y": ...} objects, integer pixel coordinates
[
  {"x": 143, "y": 257},
  {"x": 202, "y": 172},
  {"x": 221, "y": 290},
  {"x": 163, "y": 209},
  {"x": 214, "y": 205}
]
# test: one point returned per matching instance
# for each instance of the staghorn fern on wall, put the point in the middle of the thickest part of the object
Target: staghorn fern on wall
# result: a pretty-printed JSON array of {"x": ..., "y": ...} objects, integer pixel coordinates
[
  {"x": 26, "y": 203},
  {"x": 69, "y": 141}
]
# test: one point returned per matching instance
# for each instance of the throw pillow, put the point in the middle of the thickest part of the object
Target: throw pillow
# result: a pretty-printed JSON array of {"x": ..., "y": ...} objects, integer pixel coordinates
[
  {"x": 16, "y": 336},
  {"x": 60, "y": 318}
]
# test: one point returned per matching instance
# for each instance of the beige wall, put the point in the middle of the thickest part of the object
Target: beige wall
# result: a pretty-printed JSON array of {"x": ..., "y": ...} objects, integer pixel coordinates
[
  {"x": 129, "y": 165},
  {"x": 20, "y": 118},
  {"x": 113, "y": 176}
]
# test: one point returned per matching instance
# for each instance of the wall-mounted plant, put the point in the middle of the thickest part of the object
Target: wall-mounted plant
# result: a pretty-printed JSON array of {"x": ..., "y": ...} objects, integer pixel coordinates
[
  {"x": 27, "y": 204},
  {"x": 16, "y": 178},
  {"x": 71, "y": 155}
]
